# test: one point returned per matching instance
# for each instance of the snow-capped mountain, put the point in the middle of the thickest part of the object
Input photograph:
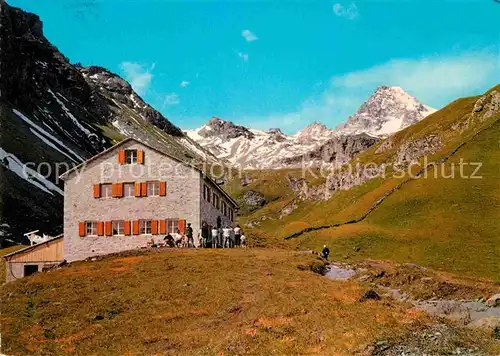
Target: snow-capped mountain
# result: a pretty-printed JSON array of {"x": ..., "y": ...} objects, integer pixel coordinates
[
  {"x": 388, "y": 110},
  {"x": 256, "y": 149}
]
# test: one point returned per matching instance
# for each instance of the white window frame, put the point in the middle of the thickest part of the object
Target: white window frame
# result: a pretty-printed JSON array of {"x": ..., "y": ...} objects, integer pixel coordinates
[
  {"x": 155, "y": 188},
  {"x": 172, "y": 225},
  {"x": 92, "y": 227},
  {"x": 119, "y": 226},
  {"x": 131, "y": 156},
  {"x": 132, "y": 191},
  {"x": 145, "y": 226}
]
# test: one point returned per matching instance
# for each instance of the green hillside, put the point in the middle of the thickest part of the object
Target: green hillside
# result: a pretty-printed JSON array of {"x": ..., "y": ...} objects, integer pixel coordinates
[{"x": 445, "y": 223}]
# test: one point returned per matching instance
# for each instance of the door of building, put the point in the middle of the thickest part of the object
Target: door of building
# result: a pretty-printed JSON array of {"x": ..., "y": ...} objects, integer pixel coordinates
[{"x": 30, "y": 269}]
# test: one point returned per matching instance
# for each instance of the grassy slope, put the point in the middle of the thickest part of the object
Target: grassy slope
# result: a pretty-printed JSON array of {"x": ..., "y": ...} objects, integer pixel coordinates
[
  {"x": 444, "y": 223},
  {"x": 178, "y": 302}
]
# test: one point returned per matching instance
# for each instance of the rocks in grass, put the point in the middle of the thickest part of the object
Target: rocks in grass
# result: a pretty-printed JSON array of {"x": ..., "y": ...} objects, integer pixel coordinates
[
  {"x": 494, "y": 300},
  {"x": 369, "y": 295}
]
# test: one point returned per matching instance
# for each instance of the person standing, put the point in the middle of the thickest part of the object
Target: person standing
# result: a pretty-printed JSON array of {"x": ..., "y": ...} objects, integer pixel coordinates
[
  {"x": 220, "y": 238},
  {"x": 189, "y": 234},
  {"x": 237, "y": 235},
  {"x": 326, "y": 252},
  {"x": 204, "y": 235},
  {"x": 227, "y": 236},
  {"x": 215, "y": 233}
]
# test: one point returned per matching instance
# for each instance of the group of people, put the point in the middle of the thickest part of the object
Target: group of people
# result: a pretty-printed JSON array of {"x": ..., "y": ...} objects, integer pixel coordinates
[
  {"x": 222, "y": 237},
  {"x": 216, "y": 237}
]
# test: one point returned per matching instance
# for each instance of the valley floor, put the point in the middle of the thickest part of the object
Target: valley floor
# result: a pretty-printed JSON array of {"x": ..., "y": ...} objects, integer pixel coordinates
[{"x": 221, "y": 302}]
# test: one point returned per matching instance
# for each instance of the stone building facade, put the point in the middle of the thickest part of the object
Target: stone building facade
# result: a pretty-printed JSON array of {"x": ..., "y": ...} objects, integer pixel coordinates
[{"x": 128, "y": 195}]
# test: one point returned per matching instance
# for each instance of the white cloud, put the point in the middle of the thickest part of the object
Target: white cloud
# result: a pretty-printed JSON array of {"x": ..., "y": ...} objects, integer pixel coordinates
[
  {"x": 249, "y": 35},
  {"x": 434, "y": 80},
  {"x": 171, "y": 100},
  {"x": 349, "y": 12},
  {"x": 184, "y": 84},
  {"x": 139, "y": 77},
  {"x": 243, "y": 56}
]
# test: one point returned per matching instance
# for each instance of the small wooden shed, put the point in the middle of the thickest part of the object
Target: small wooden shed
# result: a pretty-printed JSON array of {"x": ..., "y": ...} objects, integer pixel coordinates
[{"x": 34, "y": 258}]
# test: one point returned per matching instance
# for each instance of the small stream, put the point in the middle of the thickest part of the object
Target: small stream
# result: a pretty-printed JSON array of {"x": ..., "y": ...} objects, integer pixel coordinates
[{"x": 466, "y": 311}]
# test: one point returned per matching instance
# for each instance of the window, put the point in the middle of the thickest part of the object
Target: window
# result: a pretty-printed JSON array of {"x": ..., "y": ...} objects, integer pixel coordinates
[
  {"x": 130, "y": 156},
  {"x": 153, "y": 189},
  {"x": 214, "y": 197},
  {"x": 206, "y": 193},
  {"x": 91, "y": 228},
  {"x": 118, "y": 227},
  {"x": 217, "y": 203},
  {"x": 145, "y": 227},
  {"x": 172, "y": 226},
  {"x": 224, "y": 208},
  {"x": 128, "y": 189},
  {"x": 231, "y": 214},
  {"x": 107, "y": 190}
]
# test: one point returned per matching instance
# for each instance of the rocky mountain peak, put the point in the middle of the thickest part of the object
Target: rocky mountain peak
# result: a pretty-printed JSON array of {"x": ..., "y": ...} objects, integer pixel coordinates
[
  {"x": 314, "y": 132},
  {"x": 225, "y": 130},
  {"x": 388, "y": 110},
  {"x": 275, "y": 131}
]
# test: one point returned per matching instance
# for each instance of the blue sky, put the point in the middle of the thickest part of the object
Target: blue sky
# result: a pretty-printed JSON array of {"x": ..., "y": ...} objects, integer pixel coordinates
[{"x": 279, "y": 64}]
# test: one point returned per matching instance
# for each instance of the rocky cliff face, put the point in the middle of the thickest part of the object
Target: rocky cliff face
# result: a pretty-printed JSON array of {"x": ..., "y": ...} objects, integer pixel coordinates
[
  {"x": 54, "y": 115},
  {"x": 335, "y": 151}
]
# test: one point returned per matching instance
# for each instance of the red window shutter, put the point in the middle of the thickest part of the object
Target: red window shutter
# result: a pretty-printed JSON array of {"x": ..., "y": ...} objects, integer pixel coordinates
[
  {"x": 163, "y": 189},
  {"x": 182, "y": 226},
  {"x": 154, "y": 227},
  {"x": 120, "y": 190},
  {"x": 135, "y": 227},
  {"x": 137, "y": 190},
  {"x": 144, "y": 190},
  {"x": 126, "y": 227},
  {"x": 81, "y": 229},
  {"x": 113, "y": 190},
  {"x": 100, "y": 228},
  {"x": 121, "y": 157},
  {"x": 97, "y": 190},
  {"x": 163, "y": 227},
  {"x": 108, "y": 228},
  {"x": 140, "y": 156}
]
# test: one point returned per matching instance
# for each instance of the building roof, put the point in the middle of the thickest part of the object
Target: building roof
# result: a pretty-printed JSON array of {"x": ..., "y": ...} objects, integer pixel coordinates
[
  {"x": 30, "y": 248},
  {"x": 66, "y": 174}
]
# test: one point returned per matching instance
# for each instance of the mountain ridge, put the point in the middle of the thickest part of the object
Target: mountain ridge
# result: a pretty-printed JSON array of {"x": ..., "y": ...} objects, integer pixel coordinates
[{"x": 387, "y": 111}]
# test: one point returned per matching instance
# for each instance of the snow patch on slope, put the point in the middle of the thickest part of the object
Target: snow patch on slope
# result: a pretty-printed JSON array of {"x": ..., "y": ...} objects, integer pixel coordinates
[
  {"x": 14, "y": 164},
  {"x": 70, "y": 115},
  {"x": 40, "y": 131}
]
